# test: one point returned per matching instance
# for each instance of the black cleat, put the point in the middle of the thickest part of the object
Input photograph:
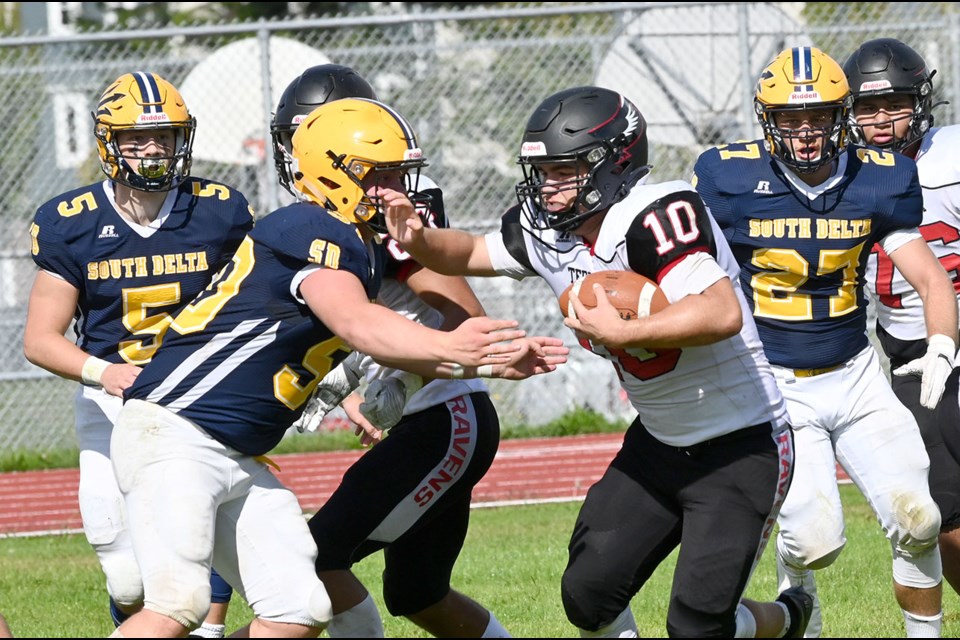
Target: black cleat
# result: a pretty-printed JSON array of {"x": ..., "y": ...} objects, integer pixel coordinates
[{"x": 800, "y": 605}]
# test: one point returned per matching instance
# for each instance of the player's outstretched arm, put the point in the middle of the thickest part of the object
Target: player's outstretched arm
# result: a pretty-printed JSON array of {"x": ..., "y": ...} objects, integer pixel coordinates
[
  {"x": 338, "y": 299},
  {"x": 446, "y": 251}
]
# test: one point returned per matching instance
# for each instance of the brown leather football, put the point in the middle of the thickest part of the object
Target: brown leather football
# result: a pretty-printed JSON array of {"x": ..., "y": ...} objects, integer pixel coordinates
[{"x": 633, "y": 295}]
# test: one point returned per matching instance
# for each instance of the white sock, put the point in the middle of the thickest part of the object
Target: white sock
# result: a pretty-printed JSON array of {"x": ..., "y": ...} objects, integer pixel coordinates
[
  {"x": 207, "y": 630},
  {"x": 360, "y": 621},
  {"x": 495, "y": 629},
  {"x": 918, "y": 626},
  {"x": 789, "y": 577},
  {"x": 746, "y": 623},
  {"x": 116, "y": 634},
  {"x": 625, "y": 626}
]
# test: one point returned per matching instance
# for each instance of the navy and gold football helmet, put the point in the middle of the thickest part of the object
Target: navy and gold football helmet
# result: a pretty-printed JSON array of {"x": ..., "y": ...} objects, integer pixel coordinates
[
  {"x": 598, "y": 131},
  {"x": 143, "y": 101},
  {"x": 804, "y": 80},
  {"x": 886, "y": 65},
  {"x": 339, "y": 143},
  {"x": 316, "y": 86}
]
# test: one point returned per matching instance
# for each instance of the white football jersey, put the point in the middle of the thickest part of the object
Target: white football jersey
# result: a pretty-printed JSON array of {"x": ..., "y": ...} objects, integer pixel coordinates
[
  {"x": 899, "y": 307},
  {"x": 663, "y": 231},
  {"x": 395, "y": 294}
]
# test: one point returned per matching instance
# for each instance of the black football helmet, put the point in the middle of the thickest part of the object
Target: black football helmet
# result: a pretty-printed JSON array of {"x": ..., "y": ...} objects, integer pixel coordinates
[
  {"x": 316, "y": 86},
  {"x": 887, "y": 65},
  {"x": 597, "y": 129}
]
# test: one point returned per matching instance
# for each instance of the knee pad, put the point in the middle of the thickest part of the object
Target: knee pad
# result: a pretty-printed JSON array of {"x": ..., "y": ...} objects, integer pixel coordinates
[
  {"x": 405, "y": 595},
  {"x": 179, "y": 600},
  {"x": 800, "y": 559},
  {"x": 918, "y": 527},
  {"x": 319, "y": 606},
  {"x": 585, "y": 603},
  {"x": 124, "y": 583}
]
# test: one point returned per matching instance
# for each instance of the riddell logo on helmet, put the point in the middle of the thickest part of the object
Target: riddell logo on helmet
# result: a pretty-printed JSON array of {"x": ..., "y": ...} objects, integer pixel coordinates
[
  {"x": 875, "y": 85},
  {"x": 804, "y": 96},
  {"x": 533, "y": 149},
  {"x": 412, "y": 154},
  {"x": 153, "y": 117}
]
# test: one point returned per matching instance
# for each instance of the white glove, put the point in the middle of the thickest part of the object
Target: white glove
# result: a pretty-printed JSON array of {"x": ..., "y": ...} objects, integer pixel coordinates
[
  {"x": 385, "y": 398},
  {"x": 335, "y": 386},
  {"x": 934, "y": 368}
]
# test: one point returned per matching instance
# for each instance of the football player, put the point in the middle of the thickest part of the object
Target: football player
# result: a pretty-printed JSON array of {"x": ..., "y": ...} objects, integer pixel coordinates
[
  {"x": 711, "y": 449},
  {"x": 117, "y": 259},
  {"x": 415, "y": 531},
  {"x": 241, "y": 360},
  {"x": 892, "y": 91},
  {"x": 802, "y": 209}
]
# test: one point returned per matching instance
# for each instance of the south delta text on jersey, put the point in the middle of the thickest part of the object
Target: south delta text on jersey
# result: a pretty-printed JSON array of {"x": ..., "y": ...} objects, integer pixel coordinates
[
  {"x": 803, "y": 250},
  {"x": 243, "y": 357},
  {"x": 132, "y": 278}
]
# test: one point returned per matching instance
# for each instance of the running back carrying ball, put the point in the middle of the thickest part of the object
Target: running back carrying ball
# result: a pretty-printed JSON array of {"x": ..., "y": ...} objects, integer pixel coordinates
[{"x": 633, "y": 295}]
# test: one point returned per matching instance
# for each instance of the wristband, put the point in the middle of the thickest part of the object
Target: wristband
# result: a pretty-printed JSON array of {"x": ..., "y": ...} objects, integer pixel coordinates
[
  {"x": 93, "y": 369},
  {"x": 485, "y": 371}
]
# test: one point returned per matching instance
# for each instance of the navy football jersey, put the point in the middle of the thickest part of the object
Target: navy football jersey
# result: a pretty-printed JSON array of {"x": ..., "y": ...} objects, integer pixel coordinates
[
  {"x": 803, "y": 250},
  {"x": 132, "y": 278},
  {"x": 244, "y": 356}
]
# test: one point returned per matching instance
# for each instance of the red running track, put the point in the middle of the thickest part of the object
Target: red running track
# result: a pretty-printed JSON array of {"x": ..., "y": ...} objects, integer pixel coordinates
[{"x": 525, "y": 470}]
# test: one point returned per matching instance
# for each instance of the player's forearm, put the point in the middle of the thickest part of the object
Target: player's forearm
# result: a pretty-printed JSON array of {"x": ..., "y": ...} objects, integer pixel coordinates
[
  {"x": 54, "y": 353},
  {"x": 395, "y": 339},
  {"x": 446, "y": 251},
  {"x": 940, "y": 310}
]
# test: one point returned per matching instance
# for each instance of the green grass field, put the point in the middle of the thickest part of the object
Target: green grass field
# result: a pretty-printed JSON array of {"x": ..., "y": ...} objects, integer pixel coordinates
[{"x": 512, "y": 562}]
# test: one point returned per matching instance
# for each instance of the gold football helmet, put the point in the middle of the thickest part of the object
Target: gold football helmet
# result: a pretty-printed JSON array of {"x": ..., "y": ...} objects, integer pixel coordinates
[
  {"x": 143, "y": 101},
  {"x": 340, "y": 143},
  {"x": 803, "y": 79}
]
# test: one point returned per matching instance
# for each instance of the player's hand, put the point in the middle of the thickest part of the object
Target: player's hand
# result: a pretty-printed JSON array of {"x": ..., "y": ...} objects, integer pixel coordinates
[
  {"x": 385, "y": 398},
  {"x": 404, "y": 224},
  {"x": 933, "y": 368},
  {"x": 333, "y": 388},
  {"x": 536, "y": 355},
  {"x": 117, "y": 377},
  {"x": 601, "y": 325},
  {"x": 482, "y": 340},
  {"x": 369, "y": 434}
]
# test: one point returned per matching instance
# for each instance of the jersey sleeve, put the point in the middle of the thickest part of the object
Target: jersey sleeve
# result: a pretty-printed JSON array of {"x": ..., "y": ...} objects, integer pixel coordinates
[
  {"x": 305, "y": 234},
  {"x": 667, "y": 230},
  {"x": 50, "y": 250},
  {"x": 507, "y": 247}
]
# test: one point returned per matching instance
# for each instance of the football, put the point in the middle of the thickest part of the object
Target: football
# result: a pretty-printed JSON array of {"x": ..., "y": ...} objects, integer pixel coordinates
[{"x": 633, "y": 295}]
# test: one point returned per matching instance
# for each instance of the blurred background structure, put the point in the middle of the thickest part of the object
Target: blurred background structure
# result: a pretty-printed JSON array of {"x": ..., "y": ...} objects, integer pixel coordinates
[{"x": 466, "y": 74}]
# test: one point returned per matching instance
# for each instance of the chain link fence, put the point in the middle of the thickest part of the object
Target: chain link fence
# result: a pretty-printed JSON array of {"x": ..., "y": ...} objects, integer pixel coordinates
[{"x": 467, "y": 80}]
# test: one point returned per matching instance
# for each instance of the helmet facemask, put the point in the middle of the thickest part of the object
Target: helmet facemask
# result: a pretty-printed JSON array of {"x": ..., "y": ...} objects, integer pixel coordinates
[
  {"x": 153, "y": 173},
  {"x": 921, "y": 118},
  {"x": 781, "y": 139}
]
